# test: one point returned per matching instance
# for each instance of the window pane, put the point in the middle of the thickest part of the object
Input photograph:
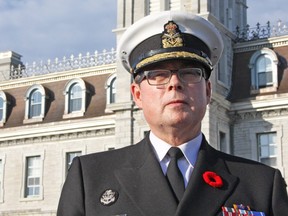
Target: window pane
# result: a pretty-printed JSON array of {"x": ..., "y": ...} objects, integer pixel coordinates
[
  {"x": 75, "y": 104},
  {"x": 69, "y": 158},
  {"x": 33, "y": 175},
  {"x": 272, "y": 138},
  {"x": 267, "y": 148},
  {"x": 76, "y": 92},
  {"x": 272, "y": 150},
  {"x": 75, "y": 98},
  {"x": 265, "y": 78},
  {"x": 263, "y": 139},
  {"x": 264, "y": 151},
  {"x": 1, "y": 108},
  {"x": 35, "y": 104},
  {"x": 264, "y": 64},
  {"x": 264, "y": 71},
  {"x": 112, "y": 91},
  {"x": 223, "y": 142}
]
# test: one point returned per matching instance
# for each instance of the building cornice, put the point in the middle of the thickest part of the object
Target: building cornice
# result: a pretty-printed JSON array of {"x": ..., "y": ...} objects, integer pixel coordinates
[
  {"x": 261, "y": 43},
  {"x": 259, "y": 115},
  {"x": 77, "y": 129},
  {"x": 59, "y": 76},
  {"x": 261, "y": 103},
  {"x": 260, "y": 108}
]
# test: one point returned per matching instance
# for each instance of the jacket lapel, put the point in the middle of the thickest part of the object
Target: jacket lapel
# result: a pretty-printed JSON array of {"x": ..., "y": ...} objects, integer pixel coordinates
[
  {"x": 201, "y": 198},
  {"x": 145, "y": 183}
]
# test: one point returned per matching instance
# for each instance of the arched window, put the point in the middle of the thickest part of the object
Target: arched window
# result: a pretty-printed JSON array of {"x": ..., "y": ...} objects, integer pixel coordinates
[
  {"x": 264, "y": 71},
  {"x": 3, "y": 108},
  {"x": 111, "y": 90},
  {"x": 263, "y": 67},
  {"x": 35, "y": 104},
  {"x": 75, "y": 98}
]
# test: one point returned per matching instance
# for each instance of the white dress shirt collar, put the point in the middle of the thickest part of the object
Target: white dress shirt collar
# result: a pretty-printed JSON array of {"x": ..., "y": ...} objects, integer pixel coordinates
[{"x": 190, "y": 149}]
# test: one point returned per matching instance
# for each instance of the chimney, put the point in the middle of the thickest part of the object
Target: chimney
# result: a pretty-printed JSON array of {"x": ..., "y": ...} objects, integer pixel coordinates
[{"x": 8, "y": 60}]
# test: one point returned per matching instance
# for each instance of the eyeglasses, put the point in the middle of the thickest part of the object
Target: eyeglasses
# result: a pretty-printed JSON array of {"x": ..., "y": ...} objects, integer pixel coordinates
[{"x": 162, "y": 77}]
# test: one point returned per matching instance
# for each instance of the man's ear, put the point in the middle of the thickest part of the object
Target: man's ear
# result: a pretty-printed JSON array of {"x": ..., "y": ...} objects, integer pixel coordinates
[
  {"x": 136, "y": 93},
  {"x": 208, "y": 91}
]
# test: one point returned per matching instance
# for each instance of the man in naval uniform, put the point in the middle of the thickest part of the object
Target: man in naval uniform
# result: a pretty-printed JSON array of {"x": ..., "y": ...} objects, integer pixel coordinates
[{"x": 173, "y": 170}]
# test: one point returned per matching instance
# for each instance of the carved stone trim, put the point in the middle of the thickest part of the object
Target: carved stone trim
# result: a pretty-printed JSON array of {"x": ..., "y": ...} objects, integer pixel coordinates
[
  {"x": 59, "y": 137},
  {"x": 256, "y": 45},
  {"x": 255, "y": 115}
]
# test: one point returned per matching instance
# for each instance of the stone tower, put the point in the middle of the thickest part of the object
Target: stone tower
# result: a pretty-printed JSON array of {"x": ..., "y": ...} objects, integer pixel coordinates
[{"x": 8, "y": 60}]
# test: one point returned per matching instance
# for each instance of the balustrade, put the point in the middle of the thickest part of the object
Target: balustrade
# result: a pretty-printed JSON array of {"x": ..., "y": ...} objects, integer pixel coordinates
[
  {"x": 261, "y": 32},
  {"x": 64, "y": 64}
]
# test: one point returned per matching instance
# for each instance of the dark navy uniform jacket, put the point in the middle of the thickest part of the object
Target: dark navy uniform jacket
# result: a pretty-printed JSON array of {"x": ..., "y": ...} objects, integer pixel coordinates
[{"x": 130, "y": 182}]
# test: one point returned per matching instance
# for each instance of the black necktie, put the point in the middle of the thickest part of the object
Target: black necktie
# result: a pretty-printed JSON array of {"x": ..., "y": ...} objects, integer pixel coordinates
[{"x": 174, "y": 175}]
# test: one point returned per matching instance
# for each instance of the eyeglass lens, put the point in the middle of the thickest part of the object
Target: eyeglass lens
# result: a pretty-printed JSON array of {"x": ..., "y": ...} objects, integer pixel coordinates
[{"x": 162, "y": 77}]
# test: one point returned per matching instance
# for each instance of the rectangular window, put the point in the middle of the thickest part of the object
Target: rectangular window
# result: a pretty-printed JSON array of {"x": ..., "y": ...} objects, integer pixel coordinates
[
  {"x": 69, "y": 158},
  {"x": 267, "y": 148},
  {"x": 223, "y": 142},
  {"x": 33, "y": 176}
]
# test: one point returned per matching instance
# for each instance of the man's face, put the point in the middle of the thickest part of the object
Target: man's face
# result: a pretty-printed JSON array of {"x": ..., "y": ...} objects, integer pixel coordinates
[{"x": 175, "y": 105}]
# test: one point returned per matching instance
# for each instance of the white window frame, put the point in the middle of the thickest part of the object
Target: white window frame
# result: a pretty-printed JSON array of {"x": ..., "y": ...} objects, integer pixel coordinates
[
  {"x": 223, "y": 127},
  {"x": 109, "y": 147},
  {"x": 27, "y": 118},
  {"x": 254, "y": 143},
  {"x": 67, "y": 165},
  {"x": 65, "y": 151},
  {"x": 111, "y": 88},
  {"x": 254, "y": 73},
  {"x": 66, "y": 93},
  {"x": 269, "y": 156},
  {"x": 4, "y": 108},
  {"x": 24, "y": 197}
]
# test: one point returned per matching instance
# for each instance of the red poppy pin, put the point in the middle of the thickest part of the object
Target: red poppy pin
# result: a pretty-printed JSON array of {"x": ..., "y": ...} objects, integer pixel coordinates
[{"x": 212, "y": 179}]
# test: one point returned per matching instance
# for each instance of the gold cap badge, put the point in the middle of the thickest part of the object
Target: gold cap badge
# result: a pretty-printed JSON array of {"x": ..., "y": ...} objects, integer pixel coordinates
[{"x": 171, "y": 36}]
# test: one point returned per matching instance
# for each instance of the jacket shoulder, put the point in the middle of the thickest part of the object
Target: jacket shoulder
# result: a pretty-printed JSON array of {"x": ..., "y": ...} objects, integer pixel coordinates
[{"x": 116, "y": 158}]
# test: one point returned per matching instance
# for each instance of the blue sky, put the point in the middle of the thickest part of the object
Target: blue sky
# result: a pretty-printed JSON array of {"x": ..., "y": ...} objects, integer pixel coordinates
[
  {"x": 263, "y": 11},
  {"x": 46, "y": 29},
  {"x": 42, "y": 29}
]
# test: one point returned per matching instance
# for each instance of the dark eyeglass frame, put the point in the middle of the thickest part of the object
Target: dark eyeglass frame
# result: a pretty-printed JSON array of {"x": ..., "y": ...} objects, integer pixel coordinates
[{"x": 149, "y": 74}]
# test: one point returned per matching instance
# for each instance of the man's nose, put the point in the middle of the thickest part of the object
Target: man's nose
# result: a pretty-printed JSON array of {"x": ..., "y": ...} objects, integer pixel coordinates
[{"x": 175, "y": 82}]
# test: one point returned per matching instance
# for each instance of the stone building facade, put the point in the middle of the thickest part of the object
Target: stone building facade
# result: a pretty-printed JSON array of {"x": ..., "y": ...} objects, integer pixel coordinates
[
  {"x": 51, "y": 113},
  {"x": 37, "y": 146}
]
